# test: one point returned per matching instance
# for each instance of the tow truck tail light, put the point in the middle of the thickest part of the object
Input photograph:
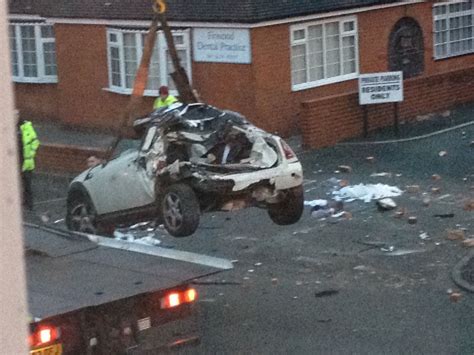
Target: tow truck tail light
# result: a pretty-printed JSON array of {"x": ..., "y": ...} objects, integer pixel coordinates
[
  {"x": 190, "y": 295},
  {"x": 43, "y": 335},
  {"x": 289, "y": 154},
  {"x": 174, "y": 299}
]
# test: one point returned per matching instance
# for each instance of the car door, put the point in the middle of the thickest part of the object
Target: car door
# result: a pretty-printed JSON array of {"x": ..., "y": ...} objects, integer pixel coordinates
[{"x": 123, "y": 183}]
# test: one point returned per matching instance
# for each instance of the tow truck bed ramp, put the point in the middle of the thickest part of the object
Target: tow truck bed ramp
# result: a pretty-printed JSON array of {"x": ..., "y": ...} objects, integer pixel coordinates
[{"x": 66, "y": 272}]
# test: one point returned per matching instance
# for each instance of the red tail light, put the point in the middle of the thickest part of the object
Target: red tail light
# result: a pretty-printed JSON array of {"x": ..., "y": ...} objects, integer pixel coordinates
[
  {"x": 174, "y": 299},
  {"x": 289, "y": 154},
  {"x": 43, "y": 335}
]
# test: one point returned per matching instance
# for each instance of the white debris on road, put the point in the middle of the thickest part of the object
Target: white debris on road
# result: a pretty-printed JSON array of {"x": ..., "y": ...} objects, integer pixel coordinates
[
  {"x": 136, "y": 237},
  {"x": 366, "y": 193},
  {"x": 313, "y": 203}
]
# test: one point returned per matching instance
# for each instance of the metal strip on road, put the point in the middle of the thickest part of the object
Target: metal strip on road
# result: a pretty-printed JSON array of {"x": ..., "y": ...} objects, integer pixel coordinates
[
  {"x": 180, "y": 255},
  {"x": 201, "y": 259}
]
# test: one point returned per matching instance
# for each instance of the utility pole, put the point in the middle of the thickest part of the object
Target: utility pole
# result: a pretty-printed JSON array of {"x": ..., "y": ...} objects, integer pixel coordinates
[{"x": 13, "y": 313}]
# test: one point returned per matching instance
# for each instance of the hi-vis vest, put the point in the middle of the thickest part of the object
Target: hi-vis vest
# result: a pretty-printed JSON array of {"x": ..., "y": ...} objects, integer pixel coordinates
[
  {"x": 166, "y": 102},
  {"x": 30, "y": 145}
]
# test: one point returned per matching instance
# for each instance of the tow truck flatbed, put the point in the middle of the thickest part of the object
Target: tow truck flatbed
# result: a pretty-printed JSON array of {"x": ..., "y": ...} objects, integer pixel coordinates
[{"x": 67, "y": 273}]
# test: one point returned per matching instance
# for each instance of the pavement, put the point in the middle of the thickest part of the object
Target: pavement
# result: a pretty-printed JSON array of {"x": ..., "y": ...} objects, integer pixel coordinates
[{"x": 365, "y": 283}]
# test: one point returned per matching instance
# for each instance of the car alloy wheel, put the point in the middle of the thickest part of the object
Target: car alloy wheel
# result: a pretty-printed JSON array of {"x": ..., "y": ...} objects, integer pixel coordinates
[{"x": 82, "y": 218}]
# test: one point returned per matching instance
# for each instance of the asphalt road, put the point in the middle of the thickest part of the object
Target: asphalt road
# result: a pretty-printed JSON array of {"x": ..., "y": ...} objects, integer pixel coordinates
[{"x": 326, "y": 286}]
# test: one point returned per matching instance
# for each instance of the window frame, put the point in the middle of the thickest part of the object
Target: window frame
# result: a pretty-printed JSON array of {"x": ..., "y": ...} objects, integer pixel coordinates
[
  {"x": 41, "y": 77},
  {"x": 446, "y": 17},
  {"x": 336, "y": 79},
  {"x": 162, "y": 50}
]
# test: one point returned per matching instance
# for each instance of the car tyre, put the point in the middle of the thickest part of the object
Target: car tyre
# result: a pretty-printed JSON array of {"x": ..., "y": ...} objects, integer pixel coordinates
[
  {"x": 290, "y": 209},
  {"x": 180, "y": 210},
  {"x": 81, "y": 215}
]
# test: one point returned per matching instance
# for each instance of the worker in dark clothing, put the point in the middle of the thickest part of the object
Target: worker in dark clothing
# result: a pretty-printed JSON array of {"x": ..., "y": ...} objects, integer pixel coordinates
[{"x": 28, "y": 144}]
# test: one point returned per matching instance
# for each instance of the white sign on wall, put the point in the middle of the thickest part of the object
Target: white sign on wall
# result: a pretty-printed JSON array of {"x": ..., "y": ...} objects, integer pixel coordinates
[
  {"x": 222, "y": 45},
  {"x": 377, "y": 88}
]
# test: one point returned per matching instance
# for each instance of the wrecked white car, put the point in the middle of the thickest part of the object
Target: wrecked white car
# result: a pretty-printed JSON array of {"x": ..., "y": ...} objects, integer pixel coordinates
[{"x": 192, "y": 159}]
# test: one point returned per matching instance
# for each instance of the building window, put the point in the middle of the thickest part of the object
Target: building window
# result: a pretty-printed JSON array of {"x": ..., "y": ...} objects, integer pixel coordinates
[
  {"x": 125, "y": 52},
  {"x": 33, "y": 53},
  {"x": 323, "y": 52},
  {"x": 453, "y": 28}
]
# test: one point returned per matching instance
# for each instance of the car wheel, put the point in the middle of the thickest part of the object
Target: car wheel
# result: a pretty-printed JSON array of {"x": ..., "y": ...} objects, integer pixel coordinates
[
  {"x": 290, "y": 209},
  {"x": 81, "y": 215},
  {"x": 180, "y": 210}
]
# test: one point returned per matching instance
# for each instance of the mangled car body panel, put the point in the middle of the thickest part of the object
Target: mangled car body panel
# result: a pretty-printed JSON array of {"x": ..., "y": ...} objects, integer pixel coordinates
[{"x": 214, "y": 157}]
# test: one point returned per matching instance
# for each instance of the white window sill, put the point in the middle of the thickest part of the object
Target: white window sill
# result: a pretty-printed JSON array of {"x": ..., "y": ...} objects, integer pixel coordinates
[
  {"x": 35, "y": 80},
  {"x": 150, "y": 93},
  {"x": 315, "y": 84},
  {"x": 449, "y": 56}
]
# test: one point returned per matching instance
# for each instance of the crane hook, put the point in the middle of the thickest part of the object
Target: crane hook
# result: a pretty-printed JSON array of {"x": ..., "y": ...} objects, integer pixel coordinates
[{"x": 159, "y": 6}]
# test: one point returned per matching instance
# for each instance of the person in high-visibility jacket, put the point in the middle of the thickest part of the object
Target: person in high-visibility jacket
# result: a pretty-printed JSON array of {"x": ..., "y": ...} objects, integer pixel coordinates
[
  {"x": 165, "y": 99},
  {"x": 28, "y": 145}
]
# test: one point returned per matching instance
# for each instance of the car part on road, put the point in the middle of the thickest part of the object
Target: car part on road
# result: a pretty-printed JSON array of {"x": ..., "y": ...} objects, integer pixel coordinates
[{"x": 180, "y": 210}]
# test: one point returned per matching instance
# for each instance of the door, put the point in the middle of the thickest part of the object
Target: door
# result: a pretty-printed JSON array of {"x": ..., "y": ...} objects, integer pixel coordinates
[{"x": 123, "y": 183}]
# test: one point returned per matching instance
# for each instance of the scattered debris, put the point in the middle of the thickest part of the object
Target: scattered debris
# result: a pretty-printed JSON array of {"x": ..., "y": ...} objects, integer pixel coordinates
[
  {"x": 426, "y": 201},
  {"x": 360, "y": 268},
  {"x": 313, "y": 203},
  {"x": 326, "y": 320},
  {"x": 325, "y": 209},
  {"x": 45, "y": 217},
  {"x": 413, "y": 188},
  {"x": 372, "y": 159},
  {"x": 424, "y": 236},
  {"x": 251, "y": 270},
  {"x": 258, "y": 264},
  {"x": 401, "y": 252},
  {"x": 469, "y": 205},
  {"x": 442, "y": 153},
  {"x": 443, "y": 197},
  {"x": 344, "y": 168},
  {"x": 390, "y": 249},
  {"x": 386, "y": 204},
  {"x": 412, "y": 220},
  {"x": 384, "y": 174},
  {"x": 326, "y": 293},
  {"x": 436, "y": 190},
  {"x": 468, "y": 243},
  {"x": 343, "y": 183},
  {"x": 367, "y": 192},
  {"x": 455, "y": 297},
  {"x": 444, "y": 215},
  {"x": 400, "y": 213},
  {"x": 456, "y": 234}
]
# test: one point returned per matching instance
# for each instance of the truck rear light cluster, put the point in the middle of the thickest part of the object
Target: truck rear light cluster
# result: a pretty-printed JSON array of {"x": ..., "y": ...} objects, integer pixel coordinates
[
  {"x": 43, "y": 335},
  {"x": 176, "y": 298},
  {"x": 289, "y": 153}
]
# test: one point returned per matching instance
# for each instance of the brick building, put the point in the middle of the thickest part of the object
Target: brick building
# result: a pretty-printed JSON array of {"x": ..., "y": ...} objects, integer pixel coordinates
[{"x": 288, "y": 66}]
